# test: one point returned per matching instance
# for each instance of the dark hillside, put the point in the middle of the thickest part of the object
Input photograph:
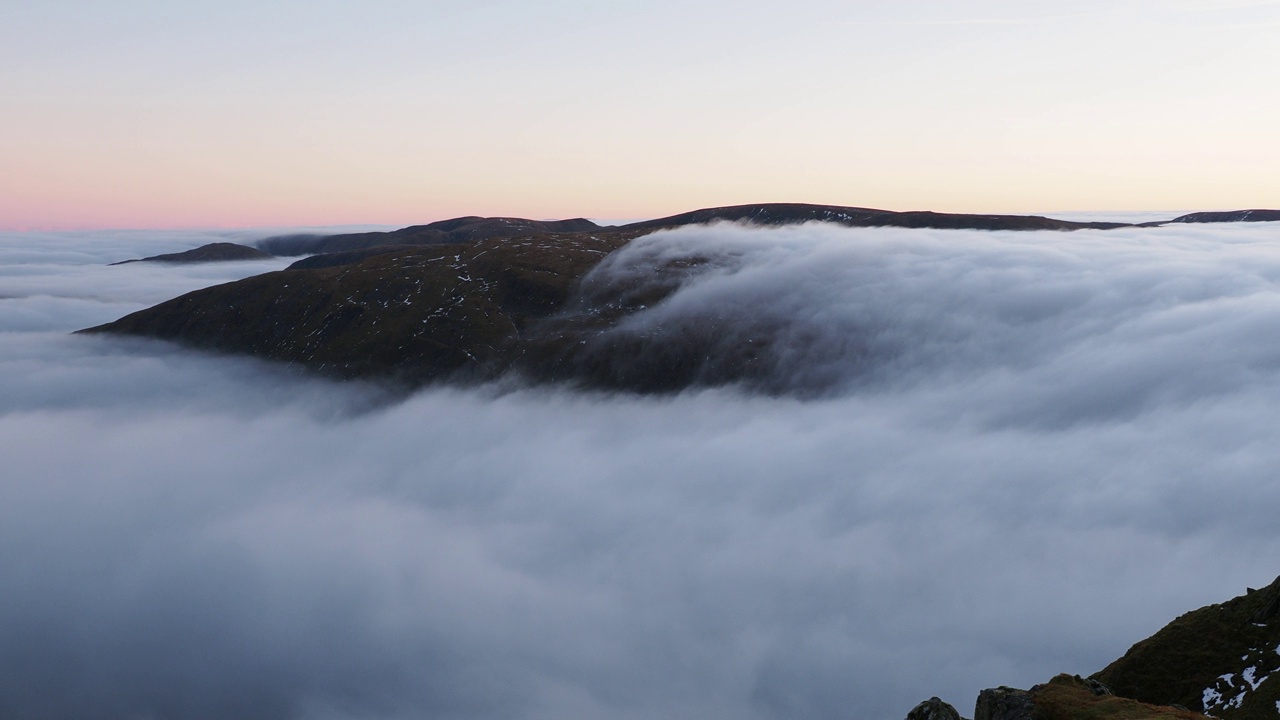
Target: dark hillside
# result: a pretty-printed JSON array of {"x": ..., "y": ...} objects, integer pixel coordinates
[
  {"x": 346, "y": 257},
  {"x": 413, "y": 315},
  {"x": 1221, "y": 659}
]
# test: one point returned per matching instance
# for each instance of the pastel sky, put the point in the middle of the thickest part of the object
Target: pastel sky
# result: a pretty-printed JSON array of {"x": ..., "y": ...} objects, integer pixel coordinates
[{"x": 143, "y": 113}]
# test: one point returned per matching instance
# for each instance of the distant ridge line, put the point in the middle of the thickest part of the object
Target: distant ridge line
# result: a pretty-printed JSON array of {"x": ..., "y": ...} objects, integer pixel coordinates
[{"x": 472, "y": 228}]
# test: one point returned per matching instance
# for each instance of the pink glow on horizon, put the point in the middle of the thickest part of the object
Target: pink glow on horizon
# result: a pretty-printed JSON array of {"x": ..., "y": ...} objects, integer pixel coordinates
[{"x": 121, "y": 115}]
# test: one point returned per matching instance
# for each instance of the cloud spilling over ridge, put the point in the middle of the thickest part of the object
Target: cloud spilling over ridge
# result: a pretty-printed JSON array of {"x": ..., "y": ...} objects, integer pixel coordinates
[
  {"x": 1065, "y": 440},
  {"x": 818, "y": 308}
]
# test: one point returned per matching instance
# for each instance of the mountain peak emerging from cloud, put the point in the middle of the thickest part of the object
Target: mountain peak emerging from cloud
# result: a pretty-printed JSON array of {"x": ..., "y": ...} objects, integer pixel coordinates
[{"x": 477, "y": 299}]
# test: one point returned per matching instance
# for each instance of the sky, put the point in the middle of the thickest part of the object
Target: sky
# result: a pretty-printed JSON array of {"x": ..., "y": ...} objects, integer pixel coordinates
[
  {"x": 145, "y": 114},
  {"x": 1024, "y": 453}
]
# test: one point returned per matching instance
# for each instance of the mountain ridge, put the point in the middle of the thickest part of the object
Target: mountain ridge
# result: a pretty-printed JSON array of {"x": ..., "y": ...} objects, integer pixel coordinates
[
  {"x": 470, "y": 228},
  {"x": 503, "y": 297},
  {"x": 441, "y": 232}
]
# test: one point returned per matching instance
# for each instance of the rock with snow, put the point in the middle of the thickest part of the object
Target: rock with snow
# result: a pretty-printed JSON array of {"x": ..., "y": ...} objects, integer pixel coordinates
[
  {"x": 1222, "y": 660},
  {"x": 1230, "y": 216}
]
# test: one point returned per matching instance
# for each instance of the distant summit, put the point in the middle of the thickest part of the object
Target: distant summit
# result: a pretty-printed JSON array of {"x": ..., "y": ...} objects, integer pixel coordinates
[
  {"x": 1230, "y": 216},
  {"x": 795, "y": 213},
  {"x": 463, "y": 229},
  {"x": 213, "y": 252}
]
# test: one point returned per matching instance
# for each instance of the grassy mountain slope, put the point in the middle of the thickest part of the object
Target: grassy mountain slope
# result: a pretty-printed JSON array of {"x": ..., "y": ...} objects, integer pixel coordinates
[
  {"x": 413, "y": 315},
  {"x": 1222, "y": 659},
  {"x": 1070, "y": 698}
]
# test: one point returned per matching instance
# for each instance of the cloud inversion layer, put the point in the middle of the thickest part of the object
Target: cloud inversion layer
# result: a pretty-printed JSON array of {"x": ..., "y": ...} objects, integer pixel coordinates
[
  {"x": 821, "y": 309},
  {"x": 1055, "y": 443}
]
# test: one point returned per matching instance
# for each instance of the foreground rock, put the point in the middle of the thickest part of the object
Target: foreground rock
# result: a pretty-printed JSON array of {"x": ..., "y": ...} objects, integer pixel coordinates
[
  {"x": 1004, "y": 703},
  {"x": 213, "y": 252},
  {"x": 1068, "y": 697},
  {"x": 1065, "y": 697},
  {"x": 1221, "y": 661}
]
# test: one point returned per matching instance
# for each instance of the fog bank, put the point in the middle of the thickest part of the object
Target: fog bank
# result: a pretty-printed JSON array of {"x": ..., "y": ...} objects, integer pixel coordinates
[{"x": 1054, "y": 444}]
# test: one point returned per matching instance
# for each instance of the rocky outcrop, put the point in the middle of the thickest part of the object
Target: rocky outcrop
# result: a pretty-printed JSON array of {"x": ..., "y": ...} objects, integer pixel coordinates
[
  {"x": 213, "y": 252},
  {"x": 934, "y": 709},
  {"x": 1071, "y": 697},
  {"x": 1065, "y": 697},
  {"x": 1003, "y": 703}
]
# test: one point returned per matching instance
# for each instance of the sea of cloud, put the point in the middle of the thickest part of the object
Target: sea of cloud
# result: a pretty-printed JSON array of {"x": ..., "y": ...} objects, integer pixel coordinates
[{"x": 1015, "y": 454}]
